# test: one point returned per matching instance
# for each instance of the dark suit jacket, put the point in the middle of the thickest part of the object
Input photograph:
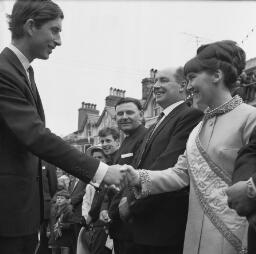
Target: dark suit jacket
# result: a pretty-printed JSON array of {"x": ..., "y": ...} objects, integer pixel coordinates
[
  {"x": 76, "y": 196},
  {"x": 117, "y": 228},
  {"x": 23, "y": 140},
  {"x": 245, "y": 164},
  {"x": 245, "y": 167},
  {"x": 160, "y": 220}
]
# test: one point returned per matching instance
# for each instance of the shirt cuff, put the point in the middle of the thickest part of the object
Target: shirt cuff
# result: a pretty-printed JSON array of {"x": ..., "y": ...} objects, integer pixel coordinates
[{"x": 100, "y": 173}]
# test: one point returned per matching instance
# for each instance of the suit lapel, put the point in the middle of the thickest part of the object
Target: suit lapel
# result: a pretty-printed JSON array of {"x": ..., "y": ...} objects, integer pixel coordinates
[
  {"x": 166, "y": 121},
  {"x": 15, "y": 62}
]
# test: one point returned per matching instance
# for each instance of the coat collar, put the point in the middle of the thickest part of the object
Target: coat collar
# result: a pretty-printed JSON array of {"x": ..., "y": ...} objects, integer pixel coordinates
[
  {"x": 15, "y": 63},
  {"x": 13, "y": 60},
  {"x": 167, "y": 119}
]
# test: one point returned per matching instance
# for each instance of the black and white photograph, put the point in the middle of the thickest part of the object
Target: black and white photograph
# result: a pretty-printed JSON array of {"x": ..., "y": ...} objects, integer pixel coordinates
[{"x": 127, "y": 127}]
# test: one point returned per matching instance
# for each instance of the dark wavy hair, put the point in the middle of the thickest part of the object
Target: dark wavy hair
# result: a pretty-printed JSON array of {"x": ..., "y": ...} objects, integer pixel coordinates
[
  {"x": 41, "y": 11},
  {"x": 109, "y": 131},
  {"x": 225, "y": 55}
]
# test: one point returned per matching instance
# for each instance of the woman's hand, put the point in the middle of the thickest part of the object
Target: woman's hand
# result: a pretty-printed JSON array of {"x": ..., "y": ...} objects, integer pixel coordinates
[{"x": 132, "y": 176}]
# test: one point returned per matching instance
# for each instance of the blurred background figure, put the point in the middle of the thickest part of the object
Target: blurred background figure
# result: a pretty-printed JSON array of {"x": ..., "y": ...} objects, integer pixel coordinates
[
  {"x": 63, "y": 179},
  {"x": 61, "y": 221},
  {"x": 92, "y": 239},
  {"x": 76, "y": 190}
]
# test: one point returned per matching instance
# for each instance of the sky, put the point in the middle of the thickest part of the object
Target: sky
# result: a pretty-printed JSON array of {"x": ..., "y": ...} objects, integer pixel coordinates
[{"x": 115, "y": 44}]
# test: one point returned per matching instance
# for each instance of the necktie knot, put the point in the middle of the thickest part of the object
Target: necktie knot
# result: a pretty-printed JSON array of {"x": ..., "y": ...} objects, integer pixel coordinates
[{"x": 160, "y": 116}]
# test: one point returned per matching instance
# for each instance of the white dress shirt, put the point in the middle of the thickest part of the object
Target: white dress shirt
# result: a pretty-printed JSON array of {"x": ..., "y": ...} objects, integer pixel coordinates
[{"x": 169, "y": 109}]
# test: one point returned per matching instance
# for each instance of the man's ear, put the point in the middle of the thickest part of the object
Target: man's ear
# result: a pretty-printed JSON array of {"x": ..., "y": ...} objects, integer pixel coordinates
[
  {"x": 141, "y": 113},
  {"x": 183, "y": 86},
  {"x": 217, "y": 76},
  {"x": 29, "y": 27}
]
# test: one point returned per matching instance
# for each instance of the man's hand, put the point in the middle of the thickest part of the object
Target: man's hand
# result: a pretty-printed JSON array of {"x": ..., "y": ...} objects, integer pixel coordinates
[
  {"x": 104, "y": 216},
  {"x": 132, "y": 176},
  {"x": 238, "y": 200},
  {"x": 115, "y": 175}
]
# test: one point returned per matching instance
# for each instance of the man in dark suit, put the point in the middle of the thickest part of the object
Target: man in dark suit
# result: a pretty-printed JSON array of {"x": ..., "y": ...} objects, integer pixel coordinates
[
  {"x": 129, "y": 117},
  {"x": 242, "y": 194},
  {"x": 24, "y": 139},
  {"x": 158, "y": 222}
]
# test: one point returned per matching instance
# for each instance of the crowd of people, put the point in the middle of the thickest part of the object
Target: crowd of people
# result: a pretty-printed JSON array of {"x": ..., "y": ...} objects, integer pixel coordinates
[{"x": 185, "y": 185}]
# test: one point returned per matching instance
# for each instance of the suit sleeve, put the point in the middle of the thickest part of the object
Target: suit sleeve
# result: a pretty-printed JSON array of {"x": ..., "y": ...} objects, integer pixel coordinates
[
  {"x": 171, "y": 179},
  {"x": 23, "y": 120},
  {"x": 245, "y": 164},
  {"x": 77, "y": 197},
  {"x": 178, "y": 140}
]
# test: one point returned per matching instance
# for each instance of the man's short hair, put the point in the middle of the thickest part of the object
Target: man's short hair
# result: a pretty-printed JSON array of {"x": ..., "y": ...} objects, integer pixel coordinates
[
  {"x": 179, "y": 75},
  {"x": 129, "y": 99},
  {"x": 41, "y": 11},
  {"x": 109, "y": 131}
]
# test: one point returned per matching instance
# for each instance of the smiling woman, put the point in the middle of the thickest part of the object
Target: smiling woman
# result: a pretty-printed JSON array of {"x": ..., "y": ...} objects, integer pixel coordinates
[{"x": 212, "y": 227}]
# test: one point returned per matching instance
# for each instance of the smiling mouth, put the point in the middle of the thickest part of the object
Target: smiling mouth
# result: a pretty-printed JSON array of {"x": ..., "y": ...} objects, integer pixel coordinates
[
  {"x": 51, "y": 48},
  {"x": 193, "y": 91},
  {"x": 158, "y": 93}
]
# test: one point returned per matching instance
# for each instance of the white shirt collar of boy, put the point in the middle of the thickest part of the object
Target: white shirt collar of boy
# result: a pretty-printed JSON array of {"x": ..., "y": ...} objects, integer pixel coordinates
[{"x": 24, "y": 61}]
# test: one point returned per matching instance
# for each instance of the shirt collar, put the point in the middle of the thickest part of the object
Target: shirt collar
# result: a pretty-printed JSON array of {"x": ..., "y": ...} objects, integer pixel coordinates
[
  {"x": 170, "y": 108},
  {"x": 24, "y": 61}
]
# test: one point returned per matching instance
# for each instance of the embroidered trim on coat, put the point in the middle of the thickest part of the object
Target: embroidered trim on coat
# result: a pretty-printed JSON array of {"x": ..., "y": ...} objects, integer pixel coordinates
[
  {"x": 217, "y": 222},
  {"x": 145, "y": 185},
  {"x": 215, "y": 168},
  {"x": 210, "y": 191}
]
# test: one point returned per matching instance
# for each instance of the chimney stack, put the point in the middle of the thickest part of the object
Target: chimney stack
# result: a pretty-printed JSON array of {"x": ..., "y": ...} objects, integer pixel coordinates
[
  {"x": 147, "y": 84},
  {"x": 114, "y": 96},
  {"x": 85, "y": 110}
]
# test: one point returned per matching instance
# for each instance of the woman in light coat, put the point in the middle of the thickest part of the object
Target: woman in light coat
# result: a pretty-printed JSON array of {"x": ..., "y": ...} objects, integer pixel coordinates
[{"x": 207, "y": 164}]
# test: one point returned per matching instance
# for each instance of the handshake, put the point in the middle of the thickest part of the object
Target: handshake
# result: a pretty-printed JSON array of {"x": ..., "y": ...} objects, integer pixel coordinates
[{"x": 121, "y": 176}]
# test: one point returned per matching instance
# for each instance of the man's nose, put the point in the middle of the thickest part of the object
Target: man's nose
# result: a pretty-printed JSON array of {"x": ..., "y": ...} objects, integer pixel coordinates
[
  {"x": 156, "y": 85},
  {"x": 124, "y": 115}
]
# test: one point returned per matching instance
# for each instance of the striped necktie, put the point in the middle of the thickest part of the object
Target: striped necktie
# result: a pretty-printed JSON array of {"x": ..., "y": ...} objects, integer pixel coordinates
[
  {"x": 156, "y": 124},
  {"x": 148, "y": 137}
]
